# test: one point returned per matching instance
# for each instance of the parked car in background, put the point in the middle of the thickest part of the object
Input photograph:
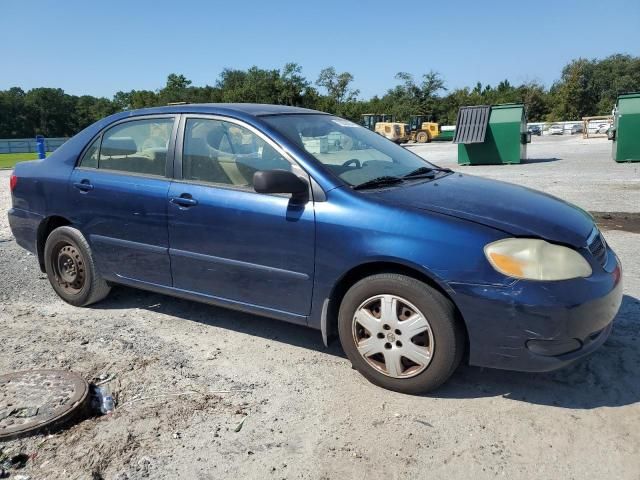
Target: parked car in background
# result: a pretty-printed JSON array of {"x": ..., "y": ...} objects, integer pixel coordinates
[
  {"x": 251, "y": 207},
  {"x": 598, "y": 127},
  {"x": 535, "y": 130},
  {"x": 577, "y": 128},
  {"x": 556, "y": 129}
]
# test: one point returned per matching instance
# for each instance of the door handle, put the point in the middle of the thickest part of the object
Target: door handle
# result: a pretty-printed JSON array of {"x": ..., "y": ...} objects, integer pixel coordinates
[
  {"x": 184, "y": 201},
  {"x": 84, "y": 185}
]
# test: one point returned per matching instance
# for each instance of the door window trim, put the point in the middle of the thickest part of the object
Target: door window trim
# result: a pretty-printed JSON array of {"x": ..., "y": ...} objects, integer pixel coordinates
[{"x": 169, "y": 166}]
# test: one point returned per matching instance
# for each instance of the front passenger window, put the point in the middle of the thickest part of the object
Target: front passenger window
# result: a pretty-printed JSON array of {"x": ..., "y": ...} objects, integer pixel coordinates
[
  {"x": 225, "y": 153},
  {"x": 139, "y": 146}
]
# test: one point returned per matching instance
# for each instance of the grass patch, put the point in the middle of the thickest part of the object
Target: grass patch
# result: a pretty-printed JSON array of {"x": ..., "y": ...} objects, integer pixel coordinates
[{"x": 8, "y": 160}]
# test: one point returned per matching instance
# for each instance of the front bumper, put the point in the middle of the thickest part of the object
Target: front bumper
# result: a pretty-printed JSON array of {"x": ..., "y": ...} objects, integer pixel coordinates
[{"x": 539, "y": 326}]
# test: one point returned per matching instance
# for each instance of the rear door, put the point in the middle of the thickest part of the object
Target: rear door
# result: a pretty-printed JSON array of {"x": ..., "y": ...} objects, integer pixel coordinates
[
  {"x": 227, "y": 241},
  {"x": 119, "y": 190}
]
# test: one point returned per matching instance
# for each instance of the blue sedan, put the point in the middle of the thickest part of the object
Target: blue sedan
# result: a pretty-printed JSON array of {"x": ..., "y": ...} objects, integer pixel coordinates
[{"x": 308, "y": 218}]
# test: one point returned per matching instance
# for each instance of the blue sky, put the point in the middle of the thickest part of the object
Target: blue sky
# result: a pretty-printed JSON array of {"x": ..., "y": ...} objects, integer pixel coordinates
[{"x": 98, "y": 48}]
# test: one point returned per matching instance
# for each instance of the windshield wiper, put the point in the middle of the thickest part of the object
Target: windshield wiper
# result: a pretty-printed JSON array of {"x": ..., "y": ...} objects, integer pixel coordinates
[
  {"x": 378, "y": 182},
  {"x": 426, "y": 172},
  {"x": 421, "y": 172}
]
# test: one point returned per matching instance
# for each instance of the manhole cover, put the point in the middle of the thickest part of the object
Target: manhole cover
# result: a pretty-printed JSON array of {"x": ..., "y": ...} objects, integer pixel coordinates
[{"x": 37, "y": 398}]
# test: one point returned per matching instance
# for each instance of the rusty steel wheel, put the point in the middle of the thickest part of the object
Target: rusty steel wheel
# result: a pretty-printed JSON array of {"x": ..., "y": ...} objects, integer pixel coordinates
[{"x": 68, "y": 267}]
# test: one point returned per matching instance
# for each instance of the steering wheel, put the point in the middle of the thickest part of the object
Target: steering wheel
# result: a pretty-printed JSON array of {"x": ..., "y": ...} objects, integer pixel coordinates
[{"x": 355, "y": 161}]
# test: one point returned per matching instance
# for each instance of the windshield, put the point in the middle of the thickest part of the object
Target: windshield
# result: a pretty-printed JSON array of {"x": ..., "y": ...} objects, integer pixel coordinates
[{"x": 353, "y": 153}]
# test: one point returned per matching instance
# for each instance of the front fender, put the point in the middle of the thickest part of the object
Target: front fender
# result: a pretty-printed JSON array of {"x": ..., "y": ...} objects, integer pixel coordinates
[{"x": 352, "y": 231}]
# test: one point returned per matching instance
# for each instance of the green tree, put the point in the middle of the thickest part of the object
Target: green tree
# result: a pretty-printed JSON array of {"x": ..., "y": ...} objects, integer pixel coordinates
[
  {"x": 338, "y": 88},
  {"x": 50, "y": 112},
  {"x": 417, "y": 98},
  {"x": 574, "y": 96},
  {"x": 175, "y": 90},
  {"x": 585, "y": 87},
  {"x": 293, "y": 85},
  {"x": 91, "y": 109},
  {"x": 14, "y": 122},
  {"x": 255, "y": 85}
]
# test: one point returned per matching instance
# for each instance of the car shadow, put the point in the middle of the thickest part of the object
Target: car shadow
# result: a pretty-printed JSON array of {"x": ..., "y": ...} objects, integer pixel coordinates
[
  {"x": 540, "y": 160},
  {"x": 264, "y": 327},
  {"x": 610, "y": 377}
]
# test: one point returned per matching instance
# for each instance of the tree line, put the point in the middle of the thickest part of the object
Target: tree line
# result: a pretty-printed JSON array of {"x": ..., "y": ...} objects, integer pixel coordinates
[{"x": 585, "y": 87}]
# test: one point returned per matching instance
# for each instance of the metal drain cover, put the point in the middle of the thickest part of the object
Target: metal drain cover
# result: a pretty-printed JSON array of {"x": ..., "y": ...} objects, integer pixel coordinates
[{"x": 34, "y": 399}]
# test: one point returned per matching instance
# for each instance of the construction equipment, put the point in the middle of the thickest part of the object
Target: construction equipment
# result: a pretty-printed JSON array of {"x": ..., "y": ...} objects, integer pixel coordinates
[
  {"x": 421, "y": 130},
  {"x": 395, "y": 131},
  {"x": 369, "y": 120},
  {"x": 385, "y": 125}
]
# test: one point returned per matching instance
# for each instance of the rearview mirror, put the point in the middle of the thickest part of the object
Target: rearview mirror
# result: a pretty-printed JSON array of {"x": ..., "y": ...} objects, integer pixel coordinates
[{"x": 279, "y": 181}]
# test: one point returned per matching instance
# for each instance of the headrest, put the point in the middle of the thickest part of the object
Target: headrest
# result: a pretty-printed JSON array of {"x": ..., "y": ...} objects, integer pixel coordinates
[
  {"x": 269, "y": 153},
  {"x": 214, "y": 137},
  {"x": 114, "y": 146},
  {"x": 195, "y": 146}
]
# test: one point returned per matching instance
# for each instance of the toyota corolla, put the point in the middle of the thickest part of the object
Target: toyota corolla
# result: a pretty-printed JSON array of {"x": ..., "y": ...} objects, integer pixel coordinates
[{"x": 305, "y": 217}]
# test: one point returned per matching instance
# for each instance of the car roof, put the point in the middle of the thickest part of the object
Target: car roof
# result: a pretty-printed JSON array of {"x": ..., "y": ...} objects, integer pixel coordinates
[{"x": 244, "y": 109}]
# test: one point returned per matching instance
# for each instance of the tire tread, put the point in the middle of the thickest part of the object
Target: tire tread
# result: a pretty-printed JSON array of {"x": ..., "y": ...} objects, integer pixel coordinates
[{"x": 98, "y": 288}]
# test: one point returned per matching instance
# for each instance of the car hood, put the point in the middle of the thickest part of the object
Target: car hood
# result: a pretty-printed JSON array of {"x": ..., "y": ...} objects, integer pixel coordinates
[{"x": 517, "y": 210}]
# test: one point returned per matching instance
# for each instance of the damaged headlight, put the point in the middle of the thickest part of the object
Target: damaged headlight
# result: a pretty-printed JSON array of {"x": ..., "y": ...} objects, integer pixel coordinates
[{"x": 535, "y": 259}]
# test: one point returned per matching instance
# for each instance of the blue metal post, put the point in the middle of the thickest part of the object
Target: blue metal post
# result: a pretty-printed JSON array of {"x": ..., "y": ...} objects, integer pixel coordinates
[{"x": 40, "y": 147}]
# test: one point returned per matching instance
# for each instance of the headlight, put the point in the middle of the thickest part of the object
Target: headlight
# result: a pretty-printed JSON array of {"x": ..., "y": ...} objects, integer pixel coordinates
[{"x": 536, "y": 260}]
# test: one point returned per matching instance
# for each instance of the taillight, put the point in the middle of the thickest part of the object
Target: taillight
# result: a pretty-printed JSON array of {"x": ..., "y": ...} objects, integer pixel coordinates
[{"x": 13, "y": 181}]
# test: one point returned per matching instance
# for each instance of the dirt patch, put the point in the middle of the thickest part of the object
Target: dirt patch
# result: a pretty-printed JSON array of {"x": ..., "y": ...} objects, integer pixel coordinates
[{"x": 624, "y": 221}]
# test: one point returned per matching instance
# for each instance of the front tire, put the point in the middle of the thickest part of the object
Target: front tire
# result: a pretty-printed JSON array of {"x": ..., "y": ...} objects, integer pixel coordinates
[
  {"x": 423, "y": 137},
  {"x": 71, "y": 270},
  {"x": 400, "y": 333}
]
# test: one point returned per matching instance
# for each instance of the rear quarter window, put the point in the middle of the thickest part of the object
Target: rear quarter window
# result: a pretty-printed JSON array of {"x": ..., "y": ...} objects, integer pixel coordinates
[{"x": 90, "y": 157}]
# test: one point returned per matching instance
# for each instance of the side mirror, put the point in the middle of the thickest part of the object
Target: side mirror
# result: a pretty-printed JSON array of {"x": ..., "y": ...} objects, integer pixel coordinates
[{"x": 279, "y": 181}]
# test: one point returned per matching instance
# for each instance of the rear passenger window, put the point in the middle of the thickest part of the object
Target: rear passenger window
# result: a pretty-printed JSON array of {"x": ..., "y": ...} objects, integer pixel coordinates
[
  {"x": 139, "y": 146},
  {"x": 90, "y": 157}
]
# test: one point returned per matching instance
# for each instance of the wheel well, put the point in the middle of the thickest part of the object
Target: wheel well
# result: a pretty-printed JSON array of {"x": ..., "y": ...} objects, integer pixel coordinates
[
  {"x": 47, "y": 226},
  {"x": 366, "y": 270}
]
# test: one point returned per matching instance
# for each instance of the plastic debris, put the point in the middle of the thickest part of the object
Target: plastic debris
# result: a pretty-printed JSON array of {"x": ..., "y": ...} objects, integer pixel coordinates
[
  {"x": 239, "y": 426},
  {"x": 102, "y": 399}
]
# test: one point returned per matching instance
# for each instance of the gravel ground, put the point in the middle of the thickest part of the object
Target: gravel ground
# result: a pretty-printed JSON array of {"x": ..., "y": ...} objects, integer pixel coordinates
[
  {"x": 578, "y": 170},
  {"x": 186, "y": 375}
]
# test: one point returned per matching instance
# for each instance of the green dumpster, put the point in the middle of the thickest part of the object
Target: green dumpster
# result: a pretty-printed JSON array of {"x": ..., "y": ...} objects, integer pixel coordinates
[
  {"x": 491, "y": 135},
  {"x": 626, "y": 128}
]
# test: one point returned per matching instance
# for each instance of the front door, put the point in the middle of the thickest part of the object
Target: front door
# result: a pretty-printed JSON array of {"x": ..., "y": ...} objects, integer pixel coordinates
[
  {"x": 229, "y": 242},
  {"x": 119, "y": 191}
]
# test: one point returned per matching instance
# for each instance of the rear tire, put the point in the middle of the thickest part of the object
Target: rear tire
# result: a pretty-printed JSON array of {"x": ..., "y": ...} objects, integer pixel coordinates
[
  {"x": 71, "y": 270},
  {"x": 382, "y": 333}
]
